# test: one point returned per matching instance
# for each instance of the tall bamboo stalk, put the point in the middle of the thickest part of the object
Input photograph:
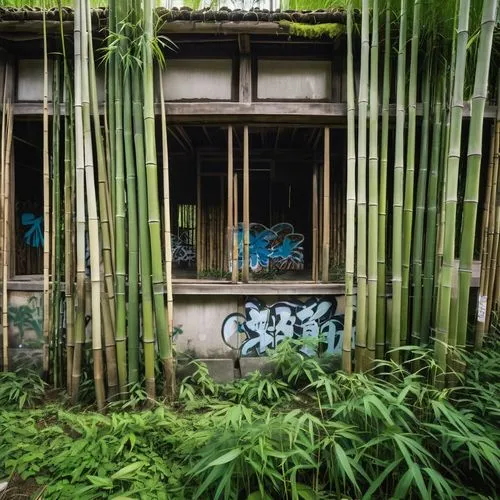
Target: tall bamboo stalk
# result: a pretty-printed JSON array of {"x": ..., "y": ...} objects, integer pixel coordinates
[
  {"x": 3, "y": 140},
  {"x": 132, "y": 344},
  {"x": 361, "y": 255},
  {"x": 164, "y": 342},
  {"x": 170, "y": 384},
  {"x": 373, "y": 189},
  {"x": 443, "y": 317},
  {"x": 246, "y": 207},
  {"x": 46, "y": 205},
  {"x": 474, "y": 155},
  {"x": 148, "y": 338},
  {"x": 410, "y": 172},
  {"x": 325, "y": 254},
  {"x": 350, "y": 205},
  {"x": 56, "y": 211},
  {"x": 397, "y": 225},
  {"x": 418, "y": 232},
  {"x": 382, "y": 205},
  {"x": 80, "y": 213},
  {"x": 6, "y": 170},
  {"x": 93, "y": 219},
  {"x": 120, "y": 210}
]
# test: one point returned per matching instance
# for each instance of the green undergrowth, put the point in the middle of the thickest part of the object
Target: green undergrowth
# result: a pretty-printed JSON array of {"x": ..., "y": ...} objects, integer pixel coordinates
[{"x": 302, "y": 432}]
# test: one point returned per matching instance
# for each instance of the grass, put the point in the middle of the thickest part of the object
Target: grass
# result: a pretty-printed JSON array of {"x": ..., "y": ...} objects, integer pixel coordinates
[{"x": 303, "y": 432}]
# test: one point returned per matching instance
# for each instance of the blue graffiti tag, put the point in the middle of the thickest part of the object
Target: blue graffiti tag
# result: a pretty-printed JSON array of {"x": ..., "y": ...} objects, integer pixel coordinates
[
  {"x": 34, "y": 235},
  {"x": 263, "y": 327},
  {"x": 279, "y": 247}
]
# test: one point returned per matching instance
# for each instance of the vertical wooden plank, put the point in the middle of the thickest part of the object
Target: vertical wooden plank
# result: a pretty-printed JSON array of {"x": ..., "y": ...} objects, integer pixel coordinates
[
  {"x": 246, "y": 207},
  {"x": 315, "y": 217},
  {"x": 326, "y": 207},
  {"x": 198, "y": 216},
  {"x": 230, "y": 170},
  {"x": 234, "y": 274},
  {"x": 245, "y": 76}
]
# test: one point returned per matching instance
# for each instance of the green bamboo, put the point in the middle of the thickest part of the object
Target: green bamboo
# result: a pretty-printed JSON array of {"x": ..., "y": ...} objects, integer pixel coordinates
[
  {"x": 46, "y": 206},
  {"x": 133, "y": 234},
  {"x": 443, "y": 317},
  {"x": 410, "y": 172},
  {"x": 474, "y": 155},
  {"x": 350, "y": 205},
  {"x": 382, "y": 206},
  {"x": 120, "y": 216},
  {"x": 431, "y": 229},
  {"x": 107, "y": 297},
  {"x": 56, "y": 203},
  {"x": 373, "y": 189},
  {"x": 110, "y": 106},
  {"x": 169, "y": 384},
  {"x": 418, "y": 232},
  {"x": 93, "y": 219},
  {"x": 397, "y": 225},
  {"x": 361, "y": 254},
  {"x": 79, "y": 186},
  {"x": 145, "y": 253},
  {"x": 164, "y": 344}
]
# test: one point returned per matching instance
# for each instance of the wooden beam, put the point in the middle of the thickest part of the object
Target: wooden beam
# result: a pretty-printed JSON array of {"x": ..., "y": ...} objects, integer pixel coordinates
[
  {"x": 246, "y": 207},
  {"x": 245, "y": 76},
  {"x": 326, "y": 208},
  {"x": 198, "y": 216}
]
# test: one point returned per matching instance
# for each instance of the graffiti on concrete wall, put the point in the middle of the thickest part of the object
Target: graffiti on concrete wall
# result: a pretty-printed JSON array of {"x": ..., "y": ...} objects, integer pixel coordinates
[
  {"x": 183, "y": 252},
  {"x": 33, "y": 236},
  {"x": 263, "y": 327},
  {"x": 278, "y": 247},
  {"x": 26, "y": 323}
]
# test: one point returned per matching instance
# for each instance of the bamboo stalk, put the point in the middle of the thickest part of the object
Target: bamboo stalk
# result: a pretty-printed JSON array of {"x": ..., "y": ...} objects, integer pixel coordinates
[
  {"x": 165, "y": 345},
  {"x": 382, "y": 206},
  {"x": 373, "y": 191},
  {"x": 315, "y": 214},
  {"x": 144, "y": 244},
  {"x": 230, "y": 202},
  {"x": 56, "y": 225},
  {"x": 397, "y": 226},
  {"x": 350, "y": 205},
  {"x": 474, "y": 155},
  {"x": 235, "y": 268},
  {"x": 80, "y": 213},
  {"x": 93, "y": 219},
  {"x": 325, "y": 254},
  {"x": 170, "y": 383},
  {"x": 410, "y": 173},
  {"x": 46, "y": 206},
  {"x": 443, "y": 317},
  {"x": 6, "y": 170},
  {"x": 418, "y": 232},
  {"x": 246, "y": 207},
  {"x": 199, "y": 225}
]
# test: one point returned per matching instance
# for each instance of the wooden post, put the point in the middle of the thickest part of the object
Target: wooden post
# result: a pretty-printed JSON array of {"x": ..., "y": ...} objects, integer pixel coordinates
[
  {"x": 230, "y": 170},
  {"x": 326, "y": 208},
  {"x": 234, "y": 275},
  {"x": 315, "y": 217},
  {"x": 246, "y": 207},
  {"x": 198, "y": 217}
]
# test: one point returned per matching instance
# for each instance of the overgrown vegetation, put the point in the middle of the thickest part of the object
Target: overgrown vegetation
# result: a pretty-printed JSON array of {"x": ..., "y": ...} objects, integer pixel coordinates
[{"x": 302, "y": 432}]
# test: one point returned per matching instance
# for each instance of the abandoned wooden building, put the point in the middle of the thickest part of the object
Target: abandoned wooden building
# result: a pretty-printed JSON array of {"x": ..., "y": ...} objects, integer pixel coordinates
[{"x": 257, "y": 135}]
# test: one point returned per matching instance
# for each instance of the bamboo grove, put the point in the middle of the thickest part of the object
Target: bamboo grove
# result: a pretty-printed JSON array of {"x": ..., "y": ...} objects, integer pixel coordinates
[{"x": 414, "y": 183}]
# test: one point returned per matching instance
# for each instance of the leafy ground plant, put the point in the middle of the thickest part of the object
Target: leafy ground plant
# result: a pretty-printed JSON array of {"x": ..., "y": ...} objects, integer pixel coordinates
[{"x": 306, "y": 432}]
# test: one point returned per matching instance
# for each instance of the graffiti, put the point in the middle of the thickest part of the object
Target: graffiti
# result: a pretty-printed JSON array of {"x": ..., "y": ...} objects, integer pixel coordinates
[
  {"x": 34, "y": 234},
  {"x": 263, "y": 327},
  {"x": 27, "y": 320},
  {"x": 279, "y": 247},
  {"x": 183, "y": 251}
]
